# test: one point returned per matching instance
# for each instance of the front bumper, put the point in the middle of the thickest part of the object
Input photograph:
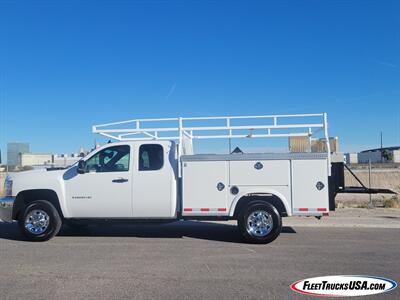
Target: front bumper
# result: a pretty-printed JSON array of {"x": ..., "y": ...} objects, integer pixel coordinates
[{"x": 6, "y": 208}]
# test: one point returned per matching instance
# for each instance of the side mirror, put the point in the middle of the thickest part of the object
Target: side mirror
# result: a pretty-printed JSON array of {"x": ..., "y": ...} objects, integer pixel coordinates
[{"x": 81, "y": 167}]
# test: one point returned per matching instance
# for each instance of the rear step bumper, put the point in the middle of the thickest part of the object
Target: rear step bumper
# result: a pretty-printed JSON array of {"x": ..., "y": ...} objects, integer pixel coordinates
[
  {"x": 363, "y": 190},
  {"x": 337, "y": 184}
]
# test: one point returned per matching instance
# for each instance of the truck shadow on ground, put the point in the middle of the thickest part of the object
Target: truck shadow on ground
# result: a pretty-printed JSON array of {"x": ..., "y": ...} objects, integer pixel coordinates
[{"x": 189, "y": 229}]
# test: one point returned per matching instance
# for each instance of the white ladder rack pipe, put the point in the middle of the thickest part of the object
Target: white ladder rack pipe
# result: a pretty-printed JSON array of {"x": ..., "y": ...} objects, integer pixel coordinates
[{"x": 289, "y": 125}]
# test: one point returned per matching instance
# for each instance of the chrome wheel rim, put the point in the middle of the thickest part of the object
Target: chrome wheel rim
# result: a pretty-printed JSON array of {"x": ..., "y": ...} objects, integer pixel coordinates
[
  {"x": 37, "y": 221},
  {"x": 259, "y": 223}
]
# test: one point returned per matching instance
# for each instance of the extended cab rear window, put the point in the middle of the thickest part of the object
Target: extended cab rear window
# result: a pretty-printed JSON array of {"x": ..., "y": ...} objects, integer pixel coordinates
[{"x": 151, "y": 157}]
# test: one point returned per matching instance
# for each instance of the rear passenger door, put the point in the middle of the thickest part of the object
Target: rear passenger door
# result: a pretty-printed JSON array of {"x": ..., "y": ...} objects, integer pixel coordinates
[{"x": 154, "y": 182}]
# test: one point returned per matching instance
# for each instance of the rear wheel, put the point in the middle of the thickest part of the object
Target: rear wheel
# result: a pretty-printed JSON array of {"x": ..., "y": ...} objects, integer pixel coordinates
[
  {"x": 40, "y": 221},
  {"x": 260, "y": 223}
]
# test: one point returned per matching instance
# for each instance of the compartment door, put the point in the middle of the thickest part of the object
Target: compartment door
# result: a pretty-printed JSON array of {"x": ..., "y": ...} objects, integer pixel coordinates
[
  {"x": 310, "y": 187},
  {"x": 205, "y": 188},
  {"x": 261, "y": 173}
]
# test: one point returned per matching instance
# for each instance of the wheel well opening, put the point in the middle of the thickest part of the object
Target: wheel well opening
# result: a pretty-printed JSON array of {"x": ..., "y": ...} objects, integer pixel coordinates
[
  {"x": 269, "y": 198},
  {"x": 24, "y": 198}
]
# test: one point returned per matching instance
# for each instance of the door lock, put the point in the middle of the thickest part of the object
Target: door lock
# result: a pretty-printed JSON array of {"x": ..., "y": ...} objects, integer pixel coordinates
[{"x": 220, "y": 186}]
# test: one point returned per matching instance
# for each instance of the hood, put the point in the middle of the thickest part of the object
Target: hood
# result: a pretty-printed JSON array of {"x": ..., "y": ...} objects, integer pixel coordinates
[
  {"x": 40, "y": 179},
  {"x": 35, "y": 173}
]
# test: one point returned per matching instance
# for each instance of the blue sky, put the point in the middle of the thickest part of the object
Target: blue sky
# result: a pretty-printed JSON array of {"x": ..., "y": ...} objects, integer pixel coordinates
[{"x": 66, "y": 65}]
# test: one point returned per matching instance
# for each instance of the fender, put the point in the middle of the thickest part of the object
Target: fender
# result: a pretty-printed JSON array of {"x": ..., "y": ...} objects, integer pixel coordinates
[
  {"x": 41, "y": 180},
  {"x": 247, "y": 191}
]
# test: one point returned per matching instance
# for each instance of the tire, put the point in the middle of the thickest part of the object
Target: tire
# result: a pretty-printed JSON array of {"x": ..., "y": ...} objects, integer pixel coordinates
[
  {"x": 259, "y": 223},
  {"x": 40, "y": 221}
]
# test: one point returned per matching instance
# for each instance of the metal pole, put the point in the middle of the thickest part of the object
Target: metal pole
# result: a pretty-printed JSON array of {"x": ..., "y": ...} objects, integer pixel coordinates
[
  {"x": 381, "y": 148},
  {"x": 328, "y": 145},
  {"x": 369, "y": 182},
  {"x": 180, "y": 147},
  {"x": 228, "y": 124}
]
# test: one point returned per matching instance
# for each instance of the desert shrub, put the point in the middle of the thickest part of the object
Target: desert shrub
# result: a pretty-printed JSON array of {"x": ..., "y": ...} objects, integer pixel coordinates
[{"x": 393, "y": 202}]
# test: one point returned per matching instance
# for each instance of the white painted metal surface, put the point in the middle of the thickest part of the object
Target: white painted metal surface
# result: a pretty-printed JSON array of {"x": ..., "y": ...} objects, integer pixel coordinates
[
  {"x": 176, "y": 127},
  {"x": 98, "y": 195},
  {"x": 154, "y": 192},
  {"x": 281, "y": 191},
  {"x": 306, "y": 198},
  {"x": 205, "y": 188},
  {"x": 207, "y": 180},
  {"x": 95, "y": 195},
  {"x": 184, "y": 130},
  {"x": 40, "y": 179},
  {"x": 272, "y": 172},
  {"x": 251, "y": 176}
]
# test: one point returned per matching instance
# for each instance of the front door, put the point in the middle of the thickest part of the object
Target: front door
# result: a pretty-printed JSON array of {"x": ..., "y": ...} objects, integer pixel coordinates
[{"x": 105, "y": 189}]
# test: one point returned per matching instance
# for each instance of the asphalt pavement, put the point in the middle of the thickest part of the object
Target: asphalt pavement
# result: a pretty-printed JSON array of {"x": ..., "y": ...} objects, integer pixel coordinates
[{"x": 188, "y": 260}]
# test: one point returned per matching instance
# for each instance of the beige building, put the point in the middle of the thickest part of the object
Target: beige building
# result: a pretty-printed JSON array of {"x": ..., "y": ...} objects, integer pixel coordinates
[
  {"x": 65, "y": 160},
  {"x": 36, "y": 159},
  {"x": 320, "y": 145},
  {"x": 299, "y": 144},
  {"x": 2, "y": 178},
  {"x": 351, "y": 158},
  {"x": 47, "y": 159},
  {"x": 302, "y": 144}
]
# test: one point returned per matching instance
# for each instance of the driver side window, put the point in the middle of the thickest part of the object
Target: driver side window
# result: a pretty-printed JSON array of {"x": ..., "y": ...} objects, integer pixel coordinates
[{"x": 111, "y": 159}]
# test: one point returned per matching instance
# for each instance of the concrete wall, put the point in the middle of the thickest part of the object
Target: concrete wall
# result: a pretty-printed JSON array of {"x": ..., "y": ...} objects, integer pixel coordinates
[{"x": 380, "y": 178}]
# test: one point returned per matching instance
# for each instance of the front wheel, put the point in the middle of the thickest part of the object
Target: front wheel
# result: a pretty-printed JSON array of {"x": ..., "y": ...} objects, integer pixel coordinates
[
  {"x": 260, "y": 223},
  {"x": 40, "y": 221}
]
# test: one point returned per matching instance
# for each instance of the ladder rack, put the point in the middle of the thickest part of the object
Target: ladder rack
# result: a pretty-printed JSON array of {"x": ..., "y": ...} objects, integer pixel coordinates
[
  {"x": 184, "y": 130},
  {"x": 136, "y": 127}
]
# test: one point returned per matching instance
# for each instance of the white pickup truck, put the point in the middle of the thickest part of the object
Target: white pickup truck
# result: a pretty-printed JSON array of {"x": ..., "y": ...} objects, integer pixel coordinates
[{"x": 150, "y": 174}]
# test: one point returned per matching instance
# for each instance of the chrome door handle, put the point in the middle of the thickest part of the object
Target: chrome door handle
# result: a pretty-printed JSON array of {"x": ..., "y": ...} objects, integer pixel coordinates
[{"x": 120, "y": 180}]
